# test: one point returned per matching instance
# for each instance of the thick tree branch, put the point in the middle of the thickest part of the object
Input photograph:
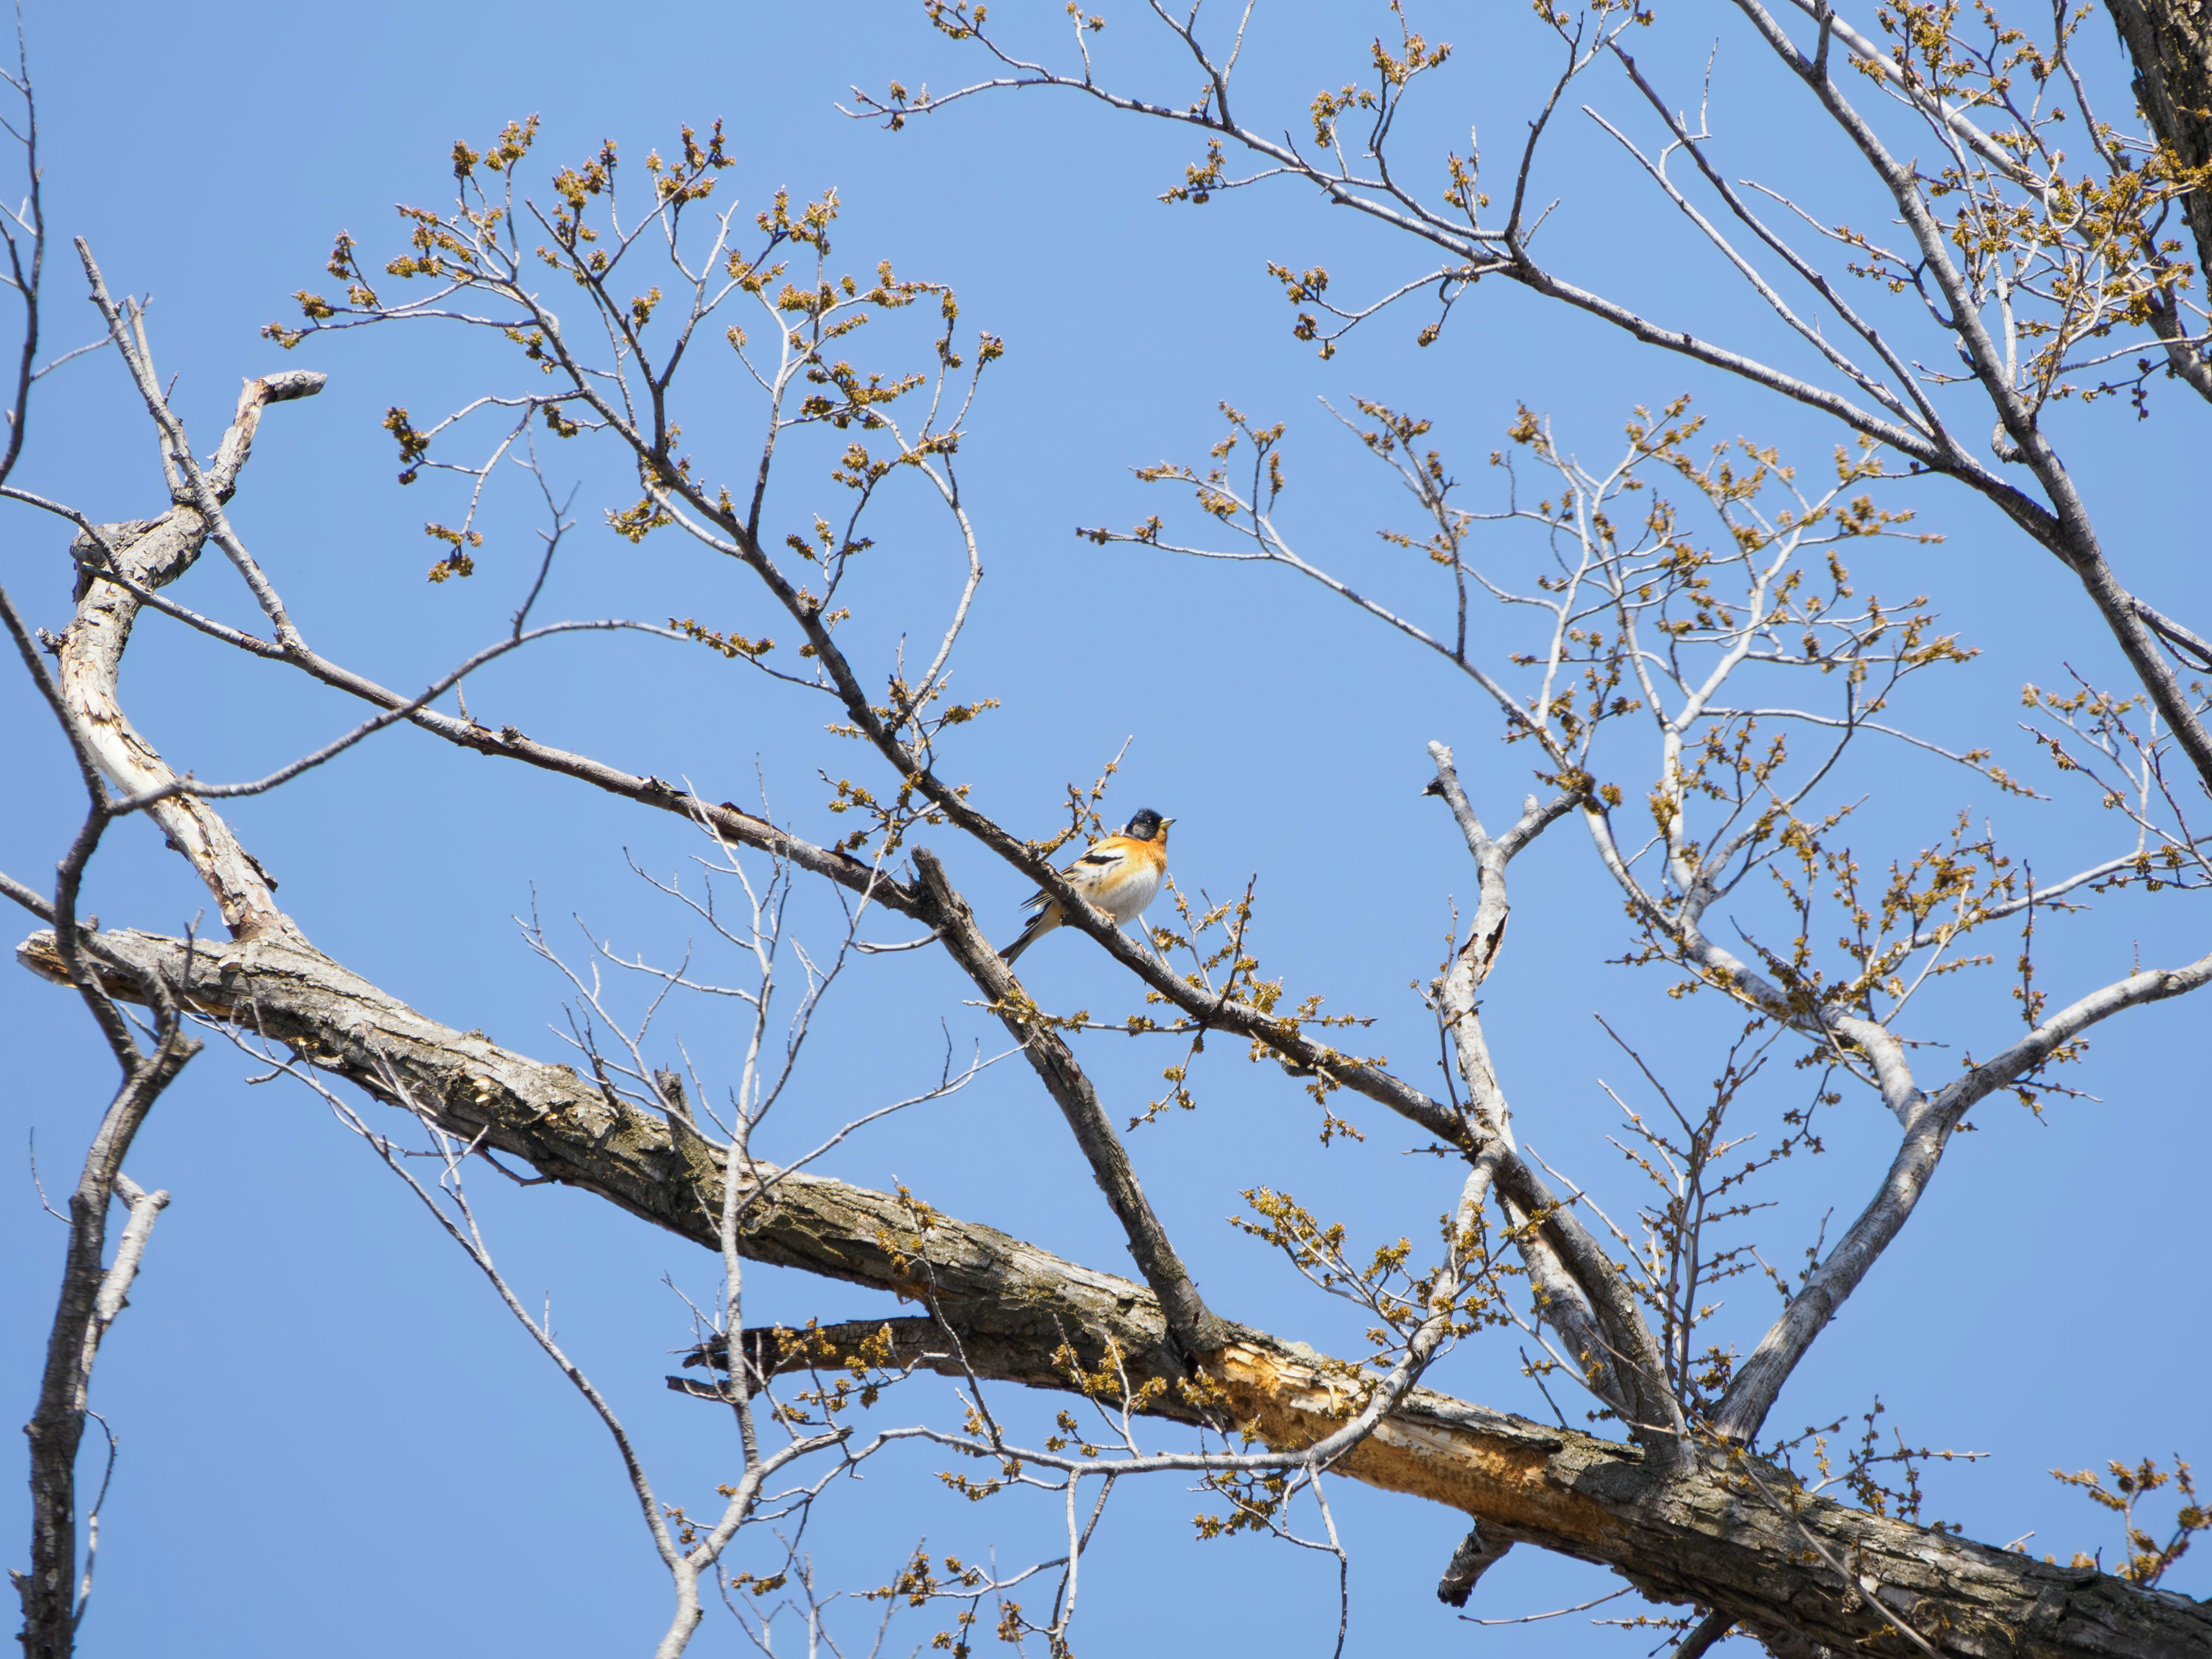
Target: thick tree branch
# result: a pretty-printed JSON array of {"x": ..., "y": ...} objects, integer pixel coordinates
[
  {"x": 1707, "y": 1535},
  {"x": 150, "y": 554}
]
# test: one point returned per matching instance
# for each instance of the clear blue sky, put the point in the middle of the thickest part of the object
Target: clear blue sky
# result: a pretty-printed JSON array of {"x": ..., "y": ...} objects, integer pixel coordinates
[{"x": 330, "y": 1433}]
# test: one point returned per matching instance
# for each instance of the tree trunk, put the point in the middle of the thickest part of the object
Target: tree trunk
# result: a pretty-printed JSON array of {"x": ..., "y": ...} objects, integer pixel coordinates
[{"x": 2171, "y": 43}]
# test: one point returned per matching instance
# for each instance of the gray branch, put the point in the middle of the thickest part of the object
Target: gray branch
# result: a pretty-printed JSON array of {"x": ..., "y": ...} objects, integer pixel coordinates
[{"x": 1929, "y": 1128}]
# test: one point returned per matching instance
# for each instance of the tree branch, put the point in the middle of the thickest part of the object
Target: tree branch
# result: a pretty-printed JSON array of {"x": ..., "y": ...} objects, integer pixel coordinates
[
  {"x": 92, "y": 1295},
  {"x": 1194, "y": 1330},
  {"x": 1697, "y": 1532},
  {"x": 1928, "y": 1131}
]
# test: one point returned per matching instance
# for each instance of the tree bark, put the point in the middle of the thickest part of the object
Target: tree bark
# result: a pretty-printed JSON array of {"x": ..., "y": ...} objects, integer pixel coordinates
[
  {"x": 2171, "y": 43},
  {"x": 1723, "y": 1530}
]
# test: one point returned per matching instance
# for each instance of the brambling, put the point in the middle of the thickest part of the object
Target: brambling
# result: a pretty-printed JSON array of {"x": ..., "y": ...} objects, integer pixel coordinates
[{"x": 1120, "y": 875}]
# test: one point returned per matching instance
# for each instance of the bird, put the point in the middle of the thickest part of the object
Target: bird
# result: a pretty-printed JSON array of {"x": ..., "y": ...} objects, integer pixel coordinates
[{"x": 1120, "y": 875}]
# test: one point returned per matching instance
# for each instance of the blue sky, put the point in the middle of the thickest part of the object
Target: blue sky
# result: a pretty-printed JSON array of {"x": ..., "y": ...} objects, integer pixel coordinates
[{"x": 329, "y": 1431}]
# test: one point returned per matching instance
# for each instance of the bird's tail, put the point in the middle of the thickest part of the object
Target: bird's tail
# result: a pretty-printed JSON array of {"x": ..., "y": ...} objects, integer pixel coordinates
[{"x": 1046, "y": 920}]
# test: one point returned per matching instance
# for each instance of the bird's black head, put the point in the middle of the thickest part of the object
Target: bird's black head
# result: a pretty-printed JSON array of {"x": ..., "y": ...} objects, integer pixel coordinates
[{"x": 1147, "y": 825}]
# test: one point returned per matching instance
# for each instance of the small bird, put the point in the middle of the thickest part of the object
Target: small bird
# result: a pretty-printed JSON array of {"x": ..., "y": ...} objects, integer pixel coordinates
[{"x": 1120, "y": 875}]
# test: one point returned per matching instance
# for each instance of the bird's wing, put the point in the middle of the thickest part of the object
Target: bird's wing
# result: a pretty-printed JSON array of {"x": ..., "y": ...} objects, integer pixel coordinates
[{"x": 1098, "y": 867}]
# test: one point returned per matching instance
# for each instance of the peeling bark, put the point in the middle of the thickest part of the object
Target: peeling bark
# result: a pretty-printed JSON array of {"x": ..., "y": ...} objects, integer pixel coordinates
[{"x": 1721, "y": 1530}]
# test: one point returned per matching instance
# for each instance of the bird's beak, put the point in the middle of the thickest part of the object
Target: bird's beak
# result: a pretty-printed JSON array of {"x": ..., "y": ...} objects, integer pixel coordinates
[{"x": 1167, "y": 824}]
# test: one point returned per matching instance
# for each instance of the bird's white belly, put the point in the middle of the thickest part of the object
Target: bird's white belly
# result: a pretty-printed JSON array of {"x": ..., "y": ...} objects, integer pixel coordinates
[{"x": 1127, "y": 899}]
